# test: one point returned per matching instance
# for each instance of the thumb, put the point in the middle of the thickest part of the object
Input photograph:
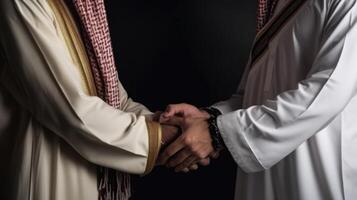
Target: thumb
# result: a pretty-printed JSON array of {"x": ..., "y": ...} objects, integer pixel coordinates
[
  {"x": 175, "y": 109},
  {"x": 174, "y": 121}
]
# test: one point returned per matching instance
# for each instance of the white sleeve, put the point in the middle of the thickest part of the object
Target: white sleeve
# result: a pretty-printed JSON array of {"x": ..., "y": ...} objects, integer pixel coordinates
[
  {"x": 262, "y": 135},
  {"x": 38, "y": 72},
  {"x": 233, "y": 103}
]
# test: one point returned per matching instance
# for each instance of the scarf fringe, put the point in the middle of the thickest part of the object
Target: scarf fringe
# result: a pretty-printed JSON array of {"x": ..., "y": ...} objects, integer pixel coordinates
[{"x": 113, "y": 185}]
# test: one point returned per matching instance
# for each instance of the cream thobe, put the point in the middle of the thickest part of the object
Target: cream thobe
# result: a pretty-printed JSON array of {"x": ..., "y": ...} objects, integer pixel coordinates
[
  {"x": 53, "y": 130},
  {"x": 293, "y": 132}
]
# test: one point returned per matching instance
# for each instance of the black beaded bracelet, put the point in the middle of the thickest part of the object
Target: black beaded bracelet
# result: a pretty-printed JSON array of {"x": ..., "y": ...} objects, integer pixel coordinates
[{"x": 217, "y": 140}]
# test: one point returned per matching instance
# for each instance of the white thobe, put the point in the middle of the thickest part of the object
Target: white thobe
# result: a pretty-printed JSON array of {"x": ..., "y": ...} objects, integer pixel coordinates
[
  {"x": 293, "y": 132},
  {"x": 53, "y": 133}
]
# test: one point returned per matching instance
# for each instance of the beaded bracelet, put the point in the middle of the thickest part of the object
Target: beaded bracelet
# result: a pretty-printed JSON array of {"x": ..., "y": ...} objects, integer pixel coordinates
[{"x": 217, "y": 140}]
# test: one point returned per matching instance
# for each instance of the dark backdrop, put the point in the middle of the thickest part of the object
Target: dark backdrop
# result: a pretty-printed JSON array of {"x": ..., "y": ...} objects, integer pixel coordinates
[{"x": 193, "y": 51}]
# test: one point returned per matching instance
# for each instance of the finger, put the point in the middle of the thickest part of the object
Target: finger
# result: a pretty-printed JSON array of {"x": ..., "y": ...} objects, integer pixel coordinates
[
  {"x": 171, "y": 150},
  {"x": 185, "y": 170},
  {"x": 175, "y": 121},
  {"x": 175, "y": 109},
  {"x": 163, "y": 119},
  {"x": 215, "y": 154},
  {"x": 204, "y": 162},
  {"x": 179, "y": 157},
  {"x": 193, "y": 167},
  {"x": 186, "y": 163}
]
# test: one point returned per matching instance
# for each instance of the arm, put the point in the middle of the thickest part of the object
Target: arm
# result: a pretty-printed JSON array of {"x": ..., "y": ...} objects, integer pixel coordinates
[
  {"x": 40, "y": 75},
  {"x": 262, "y": 135}
]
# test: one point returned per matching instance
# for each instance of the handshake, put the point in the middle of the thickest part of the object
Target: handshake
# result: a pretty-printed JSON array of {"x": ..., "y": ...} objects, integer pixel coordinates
[{"x": 187, "y": 140}]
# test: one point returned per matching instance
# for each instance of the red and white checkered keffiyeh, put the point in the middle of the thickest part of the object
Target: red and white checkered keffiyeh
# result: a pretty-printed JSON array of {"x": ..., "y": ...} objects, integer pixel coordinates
[
  {"x": 98, "y": 43},
  {"x": 265, "y": 12},
  {"x": 112, "y": 185}
]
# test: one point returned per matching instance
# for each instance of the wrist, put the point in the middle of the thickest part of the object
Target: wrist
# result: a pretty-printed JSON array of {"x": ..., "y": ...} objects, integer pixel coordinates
[
  {"x": 205, "y": 114},
  {"x": 211, "y": 112},
  {"x": 217, "y": 141},
  {"x": 169, "y": 134}
]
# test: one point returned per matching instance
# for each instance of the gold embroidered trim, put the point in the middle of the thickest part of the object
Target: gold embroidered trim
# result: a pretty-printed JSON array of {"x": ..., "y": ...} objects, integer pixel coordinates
[
  {"x": 74, "y": 43},
  {"x": 155, "y": 134}
]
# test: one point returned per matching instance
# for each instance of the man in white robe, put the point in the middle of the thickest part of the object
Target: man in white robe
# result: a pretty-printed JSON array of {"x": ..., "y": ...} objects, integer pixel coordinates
[
  {"x": 292, "y": 126},
  {"x": 54, "y": 130}
]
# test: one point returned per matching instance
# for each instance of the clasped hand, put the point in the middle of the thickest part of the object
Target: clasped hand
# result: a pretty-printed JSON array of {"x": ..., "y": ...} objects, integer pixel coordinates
[{"x": 194, "y": 145}]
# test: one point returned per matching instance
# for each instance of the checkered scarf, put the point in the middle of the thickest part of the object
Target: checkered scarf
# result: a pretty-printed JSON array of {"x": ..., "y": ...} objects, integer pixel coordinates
[
  {"x": 265, "y": 12},
  {"x": 112, "y": 185}
]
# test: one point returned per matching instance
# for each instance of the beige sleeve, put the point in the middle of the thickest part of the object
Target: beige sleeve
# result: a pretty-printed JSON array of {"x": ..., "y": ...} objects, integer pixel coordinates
[{"x": 39, "y": 74}]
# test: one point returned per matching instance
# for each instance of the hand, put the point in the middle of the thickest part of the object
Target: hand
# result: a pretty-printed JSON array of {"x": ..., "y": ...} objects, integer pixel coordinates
[
  {"x": 169, "y": 134},
  {"x": 193, "y": 167},
  {"x": 187, "y": 110},
  {"x": 194, "y": 145},
  {"x": 182, "y": 110}
]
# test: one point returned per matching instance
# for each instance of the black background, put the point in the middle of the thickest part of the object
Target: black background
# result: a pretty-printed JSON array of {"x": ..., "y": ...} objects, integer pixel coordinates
[{"x": 193, "y": 51}]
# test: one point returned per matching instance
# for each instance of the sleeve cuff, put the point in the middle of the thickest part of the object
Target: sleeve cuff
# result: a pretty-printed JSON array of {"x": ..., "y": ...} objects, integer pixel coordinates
[
  {"x": 232, "y": 132},
  {"x": 155, "y": 134},
  {"x": 232, "y": 104}
]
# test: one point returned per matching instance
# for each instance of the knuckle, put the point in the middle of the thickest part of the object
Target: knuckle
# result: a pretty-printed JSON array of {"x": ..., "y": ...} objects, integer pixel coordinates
[
  {"x": 201, "y": 155},
  {"x": 185, "y": 170},
  {"x": 194, "y": 167},
  {"x": 188, "y": 141},
  {"x": 192, "y": 149}
]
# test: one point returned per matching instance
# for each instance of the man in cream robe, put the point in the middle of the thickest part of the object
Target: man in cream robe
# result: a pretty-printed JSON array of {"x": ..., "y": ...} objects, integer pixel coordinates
[
  {"x": 53, "y": 129},
  {"x": 292, "y": 126}
]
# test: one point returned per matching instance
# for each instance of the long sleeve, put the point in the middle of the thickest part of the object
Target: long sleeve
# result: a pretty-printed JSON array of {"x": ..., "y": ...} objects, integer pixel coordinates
[
  {"x": 227, "y": 106},
  {"x": 39, "y": 73},
  {"x": 260, "y": 136}
]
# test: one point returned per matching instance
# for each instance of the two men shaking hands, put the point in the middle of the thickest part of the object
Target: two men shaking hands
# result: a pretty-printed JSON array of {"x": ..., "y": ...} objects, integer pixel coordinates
[{"x": 190, "y": 137}]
